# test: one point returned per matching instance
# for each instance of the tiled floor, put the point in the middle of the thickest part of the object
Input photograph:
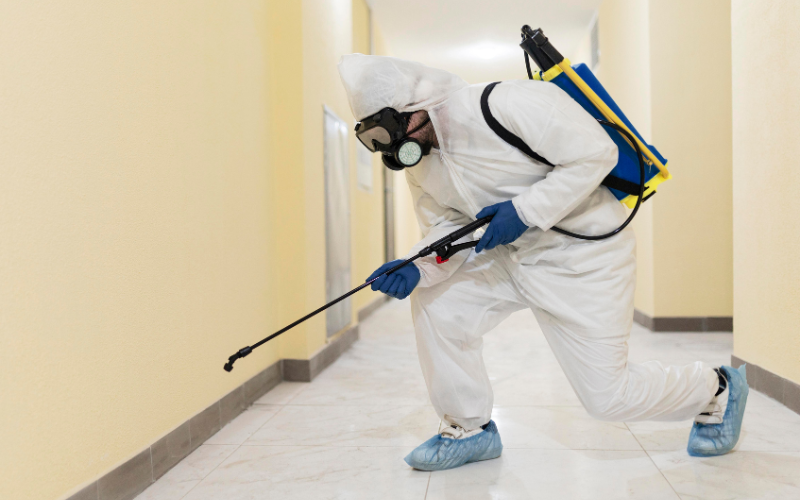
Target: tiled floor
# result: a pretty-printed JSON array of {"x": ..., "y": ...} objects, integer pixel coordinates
[{"x": 344, "y": 435}]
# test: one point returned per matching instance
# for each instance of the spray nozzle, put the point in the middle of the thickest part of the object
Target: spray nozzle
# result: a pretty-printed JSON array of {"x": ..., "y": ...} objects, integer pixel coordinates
[{"x": 244, "y": 351}]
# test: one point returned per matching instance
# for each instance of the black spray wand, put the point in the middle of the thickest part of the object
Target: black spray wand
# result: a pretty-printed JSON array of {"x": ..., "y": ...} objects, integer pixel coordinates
[{"x": 444, "y": 249}]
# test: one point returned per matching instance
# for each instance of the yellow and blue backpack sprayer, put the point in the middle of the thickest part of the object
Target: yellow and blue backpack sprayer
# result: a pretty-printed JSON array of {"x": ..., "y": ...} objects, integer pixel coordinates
[
  {"x": 580, "y": 83},
  {"x": 640, "y": 167}
]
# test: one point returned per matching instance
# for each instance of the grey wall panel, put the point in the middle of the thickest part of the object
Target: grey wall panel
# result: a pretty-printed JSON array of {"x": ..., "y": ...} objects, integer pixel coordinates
[{"x": 337, "y": 221}]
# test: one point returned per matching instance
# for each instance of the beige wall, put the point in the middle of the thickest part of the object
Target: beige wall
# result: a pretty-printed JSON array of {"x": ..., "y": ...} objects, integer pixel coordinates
[
  {"x": 161, "y": 206},
  {"x": 667, "y": 63},
  {"x": 136, "y": 231},
  {"x": 327, "y": 35},
  {"x": 766, "y": 58},
  {"x": 690, "y": 54},
  {"x": 624, "y": 70},
  {"x": 368, "y": 211},
  {"x": 582, "y": 52},
  {"x": 287, "y": 195}
]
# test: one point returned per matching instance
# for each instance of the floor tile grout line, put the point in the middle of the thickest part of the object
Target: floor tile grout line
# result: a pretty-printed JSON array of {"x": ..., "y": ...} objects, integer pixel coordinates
[
  {"x": 212, "y": 470},
  {"x": 653, "y": 461},
  {"x": 301, "y": 390},
  {"x": 672, "y": 487},
  {"x": 634, "y": 435},
  {"x": 505, "y": 447},
  {"x": 307, "y": 385},
  {"x": 231, "y": 453},
  {"x": 386, "y": 405},
  {"x": 428, "y": 486},
  {"x": 393, "y": 405},
  {"x": 289, "y": 400},
  {"x": 404, "y": 446},
  {"x": 262, "y": 425}
]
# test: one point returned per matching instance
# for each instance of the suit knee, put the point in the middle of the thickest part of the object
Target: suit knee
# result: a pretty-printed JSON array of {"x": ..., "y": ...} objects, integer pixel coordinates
[
  {"x": 601, "y": 411},
  {"x": 609, "y": 401}
]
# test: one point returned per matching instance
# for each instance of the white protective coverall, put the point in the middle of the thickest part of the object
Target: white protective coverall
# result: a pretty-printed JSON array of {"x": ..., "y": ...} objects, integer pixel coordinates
[{"x": 581, "y": 292}]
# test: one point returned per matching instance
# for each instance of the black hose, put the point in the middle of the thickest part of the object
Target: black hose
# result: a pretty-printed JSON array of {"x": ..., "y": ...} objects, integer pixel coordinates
[
  {"x": 528, "y": 65},
  {"x": 638, "y": 200},
  {"x": 445, "y": 246}
]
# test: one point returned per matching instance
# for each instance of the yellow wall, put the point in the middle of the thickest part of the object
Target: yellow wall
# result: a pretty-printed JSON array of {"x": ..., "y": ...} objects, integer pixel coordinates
[
  {"x": 136, "y": 230},
  {"x": 624, "y": 70},
  {"x": 667, "y": 63},
  {"x": 368, "y": 211},
  {"x": 690, "y": 54},
  {"x": 161, "y": 206},
  {"x": 327, "y": 35},
  {"x": 287, "y": 196},
  {"x": 766, "y": 59}
]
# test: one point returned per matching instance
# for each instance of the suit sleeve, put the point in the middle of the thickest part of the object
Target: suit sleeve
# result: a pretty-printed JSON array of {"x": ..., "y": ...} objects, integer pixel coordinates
[
  {"x": 559, "y": 129},
  {"x": 435, "y": 221}
]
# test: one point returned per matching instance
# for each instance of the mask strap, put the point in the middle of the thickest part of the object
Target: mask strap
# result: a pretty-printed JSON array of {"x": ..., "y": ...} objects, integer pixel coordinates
[{"x": 425, "y": 122}]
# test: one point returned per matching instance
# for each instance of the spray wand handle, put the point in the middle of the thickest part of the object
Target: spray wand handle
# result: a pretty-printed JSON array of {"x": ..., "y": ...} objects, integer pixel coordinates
[{"x": 441, "y": 245}]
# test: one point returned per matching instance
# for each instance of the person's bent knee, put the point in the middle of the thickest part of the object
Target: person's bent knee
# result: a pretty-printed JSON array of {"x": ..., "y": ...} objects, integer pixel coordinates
[
  {"x": 602, "y": 412},
  {"x": 607, "y": 410}
]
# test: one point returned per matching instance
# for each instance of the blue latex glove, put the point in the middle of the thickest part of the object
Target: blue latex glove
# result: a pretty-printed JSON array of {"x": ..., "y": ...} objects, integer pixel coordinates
[
  {"x": 400, "y": 283},
  {"x": 505, "y": 227}
]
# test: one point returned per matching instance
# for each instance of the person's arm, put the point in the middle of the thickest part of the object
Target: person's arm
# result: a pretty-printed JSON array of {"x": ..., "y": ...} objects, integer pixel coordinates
[
  {"x": 435, "y": 221},
  {"x": 559, "y": 129}
]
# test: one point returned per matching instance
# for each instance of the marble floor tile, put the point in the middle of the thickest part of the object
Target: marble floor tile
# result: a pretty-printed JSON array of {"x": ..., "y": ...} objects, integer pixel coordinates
[
  {"x": 379, "y": 354},
  {"x": 551, "y": 474},
  {"x": 668, "y": 355},
  {"x": 711, "y": 357},
  {"x": 392, "y": 321},
  {"x": 759, "y": 399},
  {"x": 167, "y": 489},
  {"x": 369, "y": 390},
  {"x": 749, "y": 475},
  {"x": 559, "y": 428},
  {"x": 533, "y": 388},
  {"x": 242, "y": 427},
  {"x": 344, "y": 435},
  {"x": 313, "y": 472},
  {"x": 661, "y": 435},
  {"x": 770, "y": 428},
  {"x": 375, "y": 362},
  {"x": 348, "y": 426},
  {"x": 765, "y": 428},
  {"x": 187, "y": 474},
  {"x": 282, "y": 393},
  {"x": 679, "y": 348}
]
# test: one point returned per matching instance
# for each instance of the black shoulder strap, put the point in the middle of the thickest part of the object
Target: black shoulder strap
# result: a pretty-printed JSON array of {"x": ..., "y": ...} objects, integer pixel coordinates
[
  {"x": 620, "y": 184},
  {"x": 610, "y": 181},
  {"x": 503, "y": 132}
]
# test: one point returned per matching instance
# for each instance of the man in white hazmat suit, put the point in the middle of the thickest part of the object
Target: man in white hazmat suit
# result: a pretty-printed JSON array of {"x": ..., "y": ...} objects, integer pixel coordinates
[{"x": 581, "y": 292}]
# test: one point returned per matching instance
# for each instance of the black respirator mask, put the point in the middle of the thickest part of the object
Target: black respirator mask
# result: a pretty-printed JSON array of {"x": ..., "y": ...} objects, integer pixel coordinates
[{"x": 385, "y": 131}]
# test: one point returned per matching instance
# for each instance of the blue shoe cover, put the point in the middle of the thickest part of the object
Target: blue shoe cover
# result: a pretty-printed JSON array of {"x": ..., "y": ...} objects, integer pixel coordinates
[
  {"x": 440, "y": 453},
  {"x": 711, "y": 440}
]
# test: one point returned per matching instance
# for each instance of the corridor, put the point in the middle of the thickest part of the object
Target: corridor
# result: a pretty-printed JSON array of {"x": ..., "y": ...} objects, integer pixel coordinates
[{"x": 345, "y": 434}]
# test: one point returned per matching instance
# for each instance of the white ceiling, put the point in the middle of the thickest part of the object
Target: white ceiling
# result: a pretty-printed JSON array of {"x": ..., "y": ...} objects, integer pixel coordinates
[{"x": 478, "y": 39}]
